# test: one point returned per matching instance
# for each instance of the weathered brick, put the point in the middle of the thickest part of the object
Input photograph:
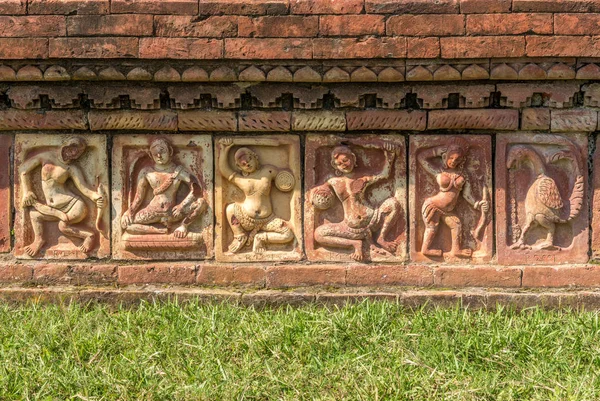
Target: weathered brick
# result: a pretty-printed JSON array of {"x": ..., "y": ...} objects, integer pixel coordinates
[
  {"x": 423, "y": 47},
  {"x": 299, "y": 276},
  {"x": 243, "y": 7},
  {"x": 386, "y": 120},
  {"x": 265, "y": 49},
  {"x": 326, "y": 6},
  {"x": 68, "y": 7},
  {"x": 412, "y": 275},
  {"x": 474, "y": 119},
  {"x": 545, "y": 6},
  {"x": 13, "y": 7},
  {"x": 81, "y": 274},
  {"x": 192, "y": 27},
  {"x": 6, "y": 142},
  {"x": 478, "y": 276},
  {"x": 351, "y": 25},
  {"x": 483, "y": 46},
  {"x": 115, "y": 25},
  {"x": 180, "y": 48},
  {"x": 318, "y": 121},
  {"x": 23, "y": 48},
  {"x": 484, "y": 6},
  {"x": 563, "y": 46},
  {"x": 15, "y": 273},
  {"x": 575, "y": 120},
  {"x": 133, "y": 120},
  {"x": 51, "y": 273},
  {"x": 14, "y": 119},
  {"x": 33, "y": 26},
  {"x": 509, "y": 24},
  {"x": 426, "y": 25},
  {"x": 577, "y": 24},
  {"x": 159, "y": 273},
  {"x": 264, "y": 121},
  {"x": 209, "y": 274},
  {"x": 412, "y": 6},
  {"x": 556, "y": 94},
  {"x": 563, "y": 276},
  {"x": 370, "y": 47},
  {"x": 249, "y": 275},
  {"x": 201, "y": 120},
  {"x": 535, "y": 119},
  {"x": 278, "y": 27},
  {"x": 185, "y": 7},
  {"x": 93, "y": 47}
]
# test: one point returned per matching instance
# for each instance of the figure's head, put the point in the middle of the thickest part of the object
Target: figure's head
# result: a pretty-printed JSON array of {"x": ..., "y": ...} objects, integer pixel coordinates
[
  {"x": 73, "y": 149},
  {"x": 456, "y": 152},
  {"x": 161, "y": 151},
  {"x": 246, "y": 160},
  {"x": 343, "y": 159}
]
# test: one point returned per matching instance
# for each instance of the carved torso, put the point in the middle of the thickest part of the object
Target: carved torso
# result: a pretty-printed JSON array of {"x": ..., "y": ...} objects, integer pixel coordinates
[
  {"x": 450, "y": 185},
  {"x": 257, "y": 189},
  {"x": 54, "y": 177},
  {"x": 351, "y": 192}
]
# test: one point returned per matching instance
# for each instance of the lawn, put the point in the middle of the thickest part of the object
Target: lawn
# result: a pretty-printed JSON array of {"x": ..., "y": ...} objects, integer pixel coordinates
[{"x": 367, "y": 351}]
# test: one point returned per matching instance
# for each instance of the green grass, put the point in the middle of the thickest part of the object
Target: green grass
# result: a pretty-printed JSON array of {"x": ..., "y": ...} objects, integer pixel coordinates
[{"x": 369, "y": 351}]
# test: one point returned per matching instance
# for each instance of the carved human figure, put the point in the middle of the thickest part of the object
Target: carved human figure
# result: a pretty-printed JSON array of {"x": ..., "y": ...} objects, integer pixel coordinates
[
  {"x": 361, "y": 220},
  {"x": 452, "y": 183},
  {"x": 252, "y": 220},
  {"x": 61, "y": 204},
  {"x": 163, "y": 178}
]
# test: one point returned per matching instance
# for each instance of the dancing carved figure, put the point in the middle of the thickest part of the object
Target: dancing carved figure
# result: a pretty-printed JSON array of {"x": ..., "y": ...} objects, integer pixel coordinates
[
  {"x": 61, "y": 203},
  {"x": 452, "y": 183},
  {"x": 361, "y": 220},
  {"x": 252, "y": 220},
  {"x": 544, "y": 205},
  {"x": 162, "y": 179}
]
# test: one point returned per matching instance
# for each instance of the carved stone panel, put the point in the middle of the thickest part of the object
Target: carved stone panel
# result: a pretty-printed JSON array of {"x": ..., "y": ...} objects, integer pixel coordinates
[
  {"x": 61, "y": 197},
  {"x": 541, "y": 207},
  {"x": 162, "y": 197},
  {"x": 5, "y": 204},
  {"x": 450, "y": 199},
  {"x": 258, "y": 198},
  {"x": 596, "y": 205},
  {"x": 355, "y": 201}
]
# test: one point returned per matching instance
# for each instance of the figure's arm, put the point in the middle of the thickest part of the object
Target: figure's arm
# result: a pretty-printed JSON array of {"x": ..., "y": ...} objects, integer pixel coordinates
[
  {"x": 140, "y": 193},
  {"x": 431, "y": 153},
  {"x": 468, "y": 195},
  {"x": 81, "y": 185},
  {"x": 27, "y": 191},
  {"x": 390, "y": 154},
  {"x": 195, "y": 192},
  {"x": 224, "y": 168}
]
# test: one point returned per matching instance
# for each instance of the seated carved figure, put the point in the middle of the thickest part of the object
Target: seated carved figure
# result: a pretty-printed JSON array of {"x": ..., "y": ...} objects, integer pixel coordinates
[
  {"x": 62, "y": 205},
  {"x": 451, "y": 183},
  {"x": 361, "y": 220},
  {"x": 163, "y": 178},
  {"x": 252, "y": 220}
]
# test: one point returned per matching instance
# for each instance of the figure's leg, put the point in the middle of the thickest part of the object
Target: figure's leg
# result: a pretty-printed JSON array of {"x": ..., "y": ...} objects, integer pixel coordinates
[
  {"x": 189, "y": 213},
  {"x": 520, "y": 244},
  {"x": 548, "y": 244},
  {"x": 37, "y": 223},
  {"x": 239, "y": 234},
  {"x": 277, "y": 231},
  {"x": 455, "y": 225},
  {"x": 336, "y": 235},
  {"x": 428, "y": 237},
  {"x": 141, "y": 223},
  {"x": 391, "y": 209},
  {"x": 72, "y": 231}
]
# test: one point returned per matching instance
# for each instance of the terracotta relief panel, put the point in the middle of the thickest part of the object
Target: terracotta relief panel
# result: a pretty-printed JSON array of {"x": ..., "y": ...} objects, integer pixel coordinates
[
  {"x": 61, "y": 197},
  {"x": 5, "y": 203},
  {"x": 450, "y": 198},
  {"x": 162, "y": 197},
  {"x": 541, "y": 208},
  {"x": 355, "y": 202},
  {"x": 258, "y": 198},
  {"x": 596, "y": 204}
]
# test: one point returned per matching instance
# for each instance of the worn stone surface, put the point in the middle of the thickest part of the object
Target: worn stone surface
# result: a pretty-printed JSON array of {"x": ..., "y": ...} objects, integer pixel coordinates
[
  {"x": 61, "y": 197},
  {"x": 541, "y": 206},
  {"x": 257, "y": 199},
  {"x": 355, "y": 202},
  {"x": 157, "y": 273},
  {"x": 6, "y": 141},
  {"x": 162, "y": 197},
  {"x": 479, "y": 276},
  {"x": 450, "y": 196},
  {"x": 301, "y": 276},
  {"x": 563, "y": 276},
  {"x": 370, "y": 275},
  {"x": 535, "y": 119}
]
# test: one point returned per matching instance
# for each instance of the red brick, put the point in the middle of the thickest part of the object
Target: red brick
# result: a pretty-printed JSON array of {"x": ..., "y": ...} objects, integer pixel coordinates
[
  {"x": 185, "y": 7},
  {"x": 478, "y": 276},
  {"x": 545, "y": 6},
  {"x": 14, "y": 273},
  {"x": 352, "y": 25},
  {"x": 23, "y": 48},
  {"x": 265, "y": 49},
  {"x": 243, "y": 7},
  {"x": 164, "y": 120},
  {"x": 368, "y": 275},
  {"x": 181, "y": 48},
  {"x": 278, "y": 27},
  {"x": 14, "y": 119},
  {"x": 563, "y": 46},
  {"x": 163, "y": 273},
  {"x": 32, "y": 26},
  {"x": 412, "y": 6},
  {"x": 93, "y": 274},
  {"x": 256, "y": 120},
  {"x": 214, "y": 275},
  {"x": 249, "y": 275},
  {"x": 577, "y": 24},
  {"x": 563, "y": 276},
  {"x": 509, "y": 24},
  {"x": 13, "y": 7},
  {"x": 68, "y": 7},
  {"x": 93, "y": 47},
  {"x": 6, "y": 142},
  {"x": 484, "y": 6},
  {"x": 573, "y": 120},
  {"x": 474, "y": 119},
  {"x": 535, "y": 119},
  {"x": 483, "y": 46},
  {"x": 51, "y": 273},
  {"x": 359, "y": 48},
  {"x": 192, "y": 27},
  {"x": 110, "y": 25},
  {"x": 426, "y": 25},
  {"x": 300, "y": 276},
  {"x": 423, "y": 47},
  {"x": 386, "y": 120},
  {"x": 326, "y": 6}
]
